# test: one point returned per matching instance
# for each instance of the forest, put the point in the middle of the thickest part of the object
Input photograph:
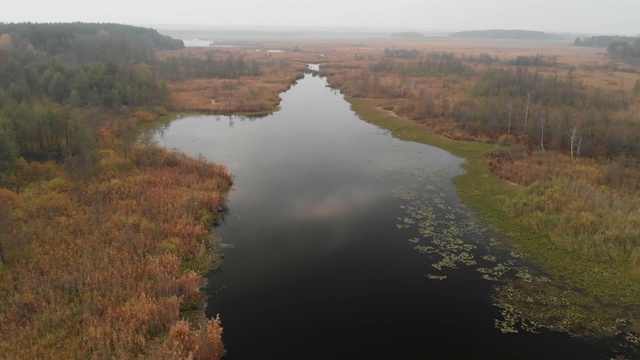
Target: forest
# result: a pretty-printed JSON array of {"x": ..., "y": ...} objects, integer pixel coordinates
[
  {"x": 511, "y": 97},
  {"x": 623, "y": 48}
]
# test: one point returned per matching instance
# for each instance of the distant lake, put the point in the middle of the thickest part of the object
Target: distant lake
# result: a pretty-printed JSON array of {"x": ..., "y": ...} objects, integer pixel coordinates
[
  {"x": 350, "y": 244},
  {"x": 196, "y": 43}
]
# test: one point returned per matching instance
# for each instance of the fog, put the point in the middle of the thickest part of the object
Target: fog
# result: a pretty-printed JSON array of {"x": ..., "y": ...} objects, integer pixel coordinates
[{"x": 570, "y": 16}]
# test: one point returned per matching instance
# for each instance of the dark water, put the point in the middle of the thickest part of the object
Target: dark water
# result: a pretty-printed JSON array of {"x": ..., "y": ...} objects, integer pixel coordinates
[{"x": 320, "y": 268}]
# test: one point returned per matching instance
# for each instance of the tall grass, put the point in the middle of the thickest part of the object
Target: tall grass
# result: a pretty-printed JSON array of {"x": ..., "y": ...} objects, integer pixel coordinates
[
  {"x": 587, "y": 206},
  {"x": 102, "y": 269}
]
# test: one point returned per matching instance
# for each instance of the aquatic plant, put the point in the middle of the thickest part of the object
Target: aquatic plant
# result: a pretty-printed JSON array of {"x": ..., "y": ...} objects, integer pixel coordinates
[{"x": 452, "y": 238}]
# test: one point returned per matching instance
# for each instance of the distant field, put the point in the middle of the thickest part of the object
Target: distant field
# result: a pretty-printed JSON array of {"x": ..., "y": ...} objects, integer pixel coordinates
[{"x": 591, "y": 64}]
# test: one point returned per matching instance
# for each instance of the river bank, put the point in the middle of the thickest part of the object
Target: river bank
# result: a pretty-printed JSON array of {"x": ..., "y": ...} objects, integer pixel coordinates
[
  {"x": 611, "y": 292},
  {"x": 331, "y": 220}
]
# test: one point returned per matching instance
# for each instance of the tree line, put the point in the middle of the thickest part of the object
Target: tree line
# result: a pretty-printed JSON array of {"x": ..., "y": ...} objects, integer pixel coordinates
[
  {"x": 505, "y": 34},
  {"x": 177, "y": 68},
  {"x": 421, "y": 64},
  {"x": 623, "y": 48},
  {"x": 53, "y": 75},
  {"x": 511, "y": 97},
  {"x": 553, "y": 112},
  {"x": 82, "y": 43},
  {"x": 44, "y": 101}
]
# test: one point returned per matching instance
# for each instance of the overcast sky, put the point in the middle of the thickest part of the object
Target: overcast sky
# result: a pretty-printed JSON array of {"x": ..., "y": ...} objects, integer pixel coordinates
[{"x": 579, "y": 16}]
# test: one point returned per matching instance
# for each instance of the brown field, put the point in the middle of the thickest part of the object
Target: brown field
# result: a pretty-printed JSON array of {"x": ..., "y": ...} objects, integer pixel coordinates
[
  {"x": 591, "y": 64},
  {"x": 246, "y": 94},
  {"x": 281, "y": 69}
]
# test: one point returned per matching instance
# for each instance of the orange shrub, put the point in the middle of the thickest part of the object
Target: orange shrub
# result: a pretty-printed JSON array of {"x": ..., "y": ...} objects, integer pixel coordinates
[
  {"x": 144, "y": 116},
  {"x": 100, "y": 266}
]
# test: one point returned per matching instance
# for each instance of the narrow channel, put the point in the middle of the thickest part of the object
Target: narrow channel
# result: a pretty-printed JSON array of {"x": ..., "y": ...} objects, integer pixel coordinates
[{"x": 348, "y": 243}]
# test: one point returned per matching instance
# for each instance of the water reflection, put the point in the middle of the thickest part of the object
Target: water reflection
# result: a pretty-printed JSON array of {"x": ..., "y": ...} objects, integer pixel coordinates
[{"x": 338, "y": 232}]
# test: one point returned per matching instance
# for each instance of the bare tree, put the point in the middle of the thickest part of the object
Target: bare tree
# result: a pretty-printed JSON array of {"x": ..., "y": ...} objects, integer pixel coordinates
[
  {"x": 526, "y": 113},
  {"x": 4, "y": 226},
  {"x": 579, "y": 143},
  {"x": 509, "y": 110},
  {"x": 574, "y": 136},
  {"x": 543, "y": 120}
]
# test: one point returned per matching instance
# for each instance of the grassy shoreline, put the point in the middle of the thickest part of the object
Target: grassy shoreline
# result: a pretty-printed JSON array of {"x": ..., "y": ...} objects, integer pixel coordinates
[{"x": 487, "y": 195}]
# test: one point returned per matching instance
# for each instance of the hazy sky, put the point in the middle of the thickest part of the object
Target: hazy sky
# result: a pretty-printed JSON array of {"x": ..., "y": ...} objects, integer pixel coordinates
[{"x": 583, "y": 16}]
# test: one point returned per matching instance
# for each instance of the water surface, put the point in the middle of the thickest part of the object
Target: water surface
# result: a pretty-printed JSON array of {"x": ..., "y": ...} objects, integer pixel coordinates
[{"x": 348, "y": 243}]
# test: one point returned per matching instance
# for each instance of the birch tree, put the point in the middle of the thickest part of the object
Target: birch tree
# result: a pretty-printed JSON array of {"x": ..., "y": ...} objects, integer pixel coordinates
[
  {"x": 576, "y": 141},
  {"x": 575, "y": 134},
  {"x": 543, "y": 120},
  {"x": 527, "y": 107},
  {"x": 509, "y": 110}
]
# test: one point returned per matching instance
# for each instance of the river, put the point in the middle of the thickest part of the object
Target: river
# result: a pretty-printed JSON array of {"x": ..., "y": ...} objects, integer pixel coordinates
[{"x": 350, "y": 244}]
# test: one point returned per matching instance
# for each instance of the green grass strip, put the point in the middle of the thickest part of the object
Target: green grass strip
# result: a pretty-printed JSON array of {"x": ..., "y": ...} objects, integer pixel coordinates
[{"x": 610, "y": 280}]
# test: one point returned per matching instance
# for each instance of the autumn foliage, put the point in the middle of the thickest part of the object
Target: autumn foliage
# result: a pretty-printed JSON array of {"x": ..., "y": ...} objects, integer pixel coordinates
[
  {"x": 103, "y": 243},
  {"x": 228, "y": 88},
  {"x": 102, "y": 269},
  {"x": 566, "y": 132},
  {"x": 102, "y": 250}
]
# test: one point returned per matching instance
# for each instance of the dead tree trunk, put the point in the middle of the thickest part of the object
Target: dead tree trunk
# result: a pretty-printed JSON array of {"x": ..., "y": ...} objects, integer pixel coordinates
[
  {"x": 573, "y": 137},
  {"x": 509, "y": 110},
  {"x": 526, "y": 113},
  {"x": 542, "y": 121},
  {"x": 579, "y": 143}
]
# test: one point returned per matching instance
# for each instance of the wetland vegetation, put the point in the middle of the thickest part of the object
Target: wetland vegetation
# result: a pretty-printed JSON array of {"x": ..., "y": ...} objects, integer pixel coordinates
[
  {"x": 407, "y": 244},
  {"x": 556, "y": 208},
  {"x": 550, "y": 136},
  {"x": 103, "y": 243}
]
